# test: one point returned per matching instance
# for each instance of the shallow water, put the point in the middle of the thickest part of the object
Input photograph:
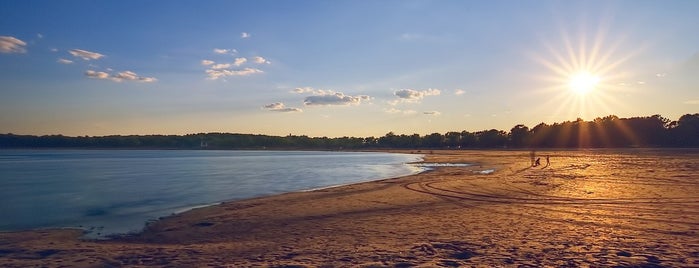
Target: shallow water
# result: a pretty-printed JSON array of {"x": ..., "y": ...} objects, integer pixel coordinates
[{"x": 116, "y": 191}]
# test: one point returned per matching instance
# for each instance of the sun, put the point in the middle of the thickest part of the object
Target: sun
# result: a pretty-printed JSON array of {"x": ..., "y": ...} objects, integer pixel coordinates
[
  {"x": 583, "y": 82},
  {"x": 583, "y": 76}
]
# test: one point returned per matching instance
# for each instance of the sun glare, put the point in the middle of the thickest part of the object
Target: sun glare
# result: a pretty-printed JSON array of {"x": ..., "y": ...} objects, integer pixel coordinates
[
  {"x": 583, "y": 76},
  {"x": 583, "y": 82}
]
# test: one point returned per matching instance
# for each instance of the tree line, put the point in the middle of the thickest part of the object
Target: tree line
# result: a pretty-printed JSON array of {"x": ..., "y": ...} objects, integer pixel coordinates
[{"x": 607, "y": 132}]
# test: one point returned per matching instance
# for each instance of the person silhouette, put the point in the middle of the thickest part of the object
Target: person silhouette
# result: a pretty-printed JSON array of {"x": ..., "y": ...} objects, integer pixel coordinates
[{"x": 538, "y": 162}]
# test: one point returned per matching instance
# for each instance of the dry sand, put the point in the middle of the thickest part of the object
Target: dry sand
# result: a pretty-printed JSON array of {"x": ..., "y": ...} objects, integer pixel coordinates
[{"x": 634, "y": 208}]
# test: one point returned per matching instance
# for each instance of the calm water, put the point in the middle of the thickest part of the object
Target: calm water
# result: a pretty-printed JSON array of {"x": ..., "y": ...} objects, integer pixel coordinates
[{"x": 113, "y": 191}]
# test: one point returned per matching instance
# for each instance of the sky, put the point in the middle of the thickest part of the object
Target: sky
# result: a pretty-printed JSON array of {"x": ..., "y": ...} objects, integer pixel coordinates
[{"x": 340, "y": 68}]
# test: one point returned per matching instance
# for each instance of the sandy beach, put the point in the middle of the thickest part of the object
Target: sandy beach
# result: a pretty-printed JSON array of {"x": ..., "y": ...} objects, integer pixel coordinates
[{"x": 598, "y": 208}]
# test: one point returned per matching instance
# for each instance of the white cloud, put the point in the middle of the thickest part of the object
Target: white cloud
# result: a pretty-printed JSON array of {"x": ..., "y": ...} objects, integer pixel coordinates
[
  {"x": 411, "y": 95},
  {"x": 221, "y": 66},
  {"x": 660, "y": 75},
  {"x": 85, "y": 55},
  {"x": 225, "y": 51},
  {"x": 459, "y": 92},
  {"x": 216, "y": 74},
  {"x": 280, "y": 107},
  {"x": 131, "y": 76},
  {"x": 54, "y": 49},
  {"x": 207, "y": 62},
  {"x": 9, "y": 44},
  {"x": 301, "y": 90},
  {"x": 434, "y": 113},
  {"x": 239, "y": 61},
  {"x": 221, "y": 51},
  {"x": 334, "y": 98},
  {"x": 692, "y": 102},
  {"x": 64, "y": 61},
  {"x": 40, "y": 36},
  {"x": 96, "y": 74},
  {"x": 244, "y": 35},
  {"x": 260, "y": 60},
  {"x": 119, "y": 77}
]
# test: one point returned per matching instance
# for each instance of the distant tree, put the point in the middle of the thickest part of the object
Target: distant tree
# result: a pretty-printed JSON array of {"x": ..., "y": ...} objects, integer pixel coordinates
[
  {"x": 434, "y": 140},
  {"x": 608, "y": 131},
  {"x": 519, "y": 136},
  {"x": 452, "y": 139}
]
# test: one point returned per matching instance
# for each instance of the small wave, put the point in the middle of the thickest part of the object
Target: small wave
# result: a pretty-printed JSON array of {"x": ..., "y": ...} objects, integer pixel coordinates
[{"x": 487, "y": 171}]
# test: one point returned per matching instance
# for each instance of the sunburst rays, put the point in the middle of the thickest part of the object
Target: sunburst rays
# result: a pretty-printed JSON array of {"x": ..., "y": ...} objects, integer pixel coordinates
[{"x": 583, "y": 75}]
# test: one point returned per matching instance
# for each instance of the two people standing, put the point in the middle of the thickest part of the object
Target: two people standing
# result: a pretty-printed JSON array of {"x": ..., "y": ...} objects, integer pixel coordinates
[{"x": 537, "y": 162}]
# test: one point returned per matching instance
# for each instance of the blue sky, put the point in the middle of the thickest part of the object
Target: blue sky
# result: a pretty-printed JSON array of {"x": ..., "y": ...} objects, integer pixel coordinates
[{"x": 335, "y": 68}]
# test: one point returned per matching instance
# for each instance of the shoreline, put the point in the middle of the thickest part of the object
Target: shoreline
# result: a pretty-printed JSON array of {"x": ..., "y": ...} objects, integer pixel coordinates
[
  {"x": 139, "y": 213},
  {"x": 587, "y": 209}
]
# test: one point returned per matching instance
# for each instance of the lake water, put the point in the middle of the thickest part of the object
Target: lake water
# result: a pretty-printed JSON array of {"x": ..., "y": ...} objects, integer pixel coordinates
[{"x": 117, "y": 191}]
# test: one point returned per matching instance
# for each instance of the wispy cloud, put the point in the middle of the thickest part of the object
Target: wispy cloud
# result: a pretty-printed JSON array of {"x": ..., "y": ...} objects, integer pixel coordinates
[
  {"x": 244, "y": 35},
  {"x": 96, "y": 74},
  {"x": 119, "y": 77},
  {"x": 131, "y": 76},
  {"x": 433, "y": 113},
  {"x": 85, "y": 55},
  {"x": 228, "y": 51},
  {"x": 334, "y": 98},
  {"x": 221, "y": 66},
  {"x": 9, "y": 44},
  {"x": 280, "y": 107},
  {"x": 64, "y": 61},
  {"x": 459, "y": 92},
  {"x": 301, "y": 90},
  {"x": 692, "y": 102},
  {"x": 221, "y": 70},
  {"x": 260, "y": 60},
  {"x": 411, "y": 95},
  {"x": 216, "y": 74},
  {"x": 239, "y": 61}
]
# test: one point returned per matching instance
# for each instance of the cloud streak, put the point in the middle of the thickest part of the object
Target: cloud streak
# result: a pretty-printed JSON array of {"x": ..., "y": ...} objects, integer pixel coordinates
[
  {"x": 216, "y": 74},
  {"x": 280, "y": 107},
  {"x": 64, "y": 61},
  {"x": 239, "y": 61},
  {"x": 225, "y": 51},
  {"x": 119, "y": 77},
  {"x": 85, "y": 55},
  {"x": 325, "y": 98},
  {"x": 9, "y": 44},
  {"x": 411, "y": 95},
  {"x": 260, "y": 60}
]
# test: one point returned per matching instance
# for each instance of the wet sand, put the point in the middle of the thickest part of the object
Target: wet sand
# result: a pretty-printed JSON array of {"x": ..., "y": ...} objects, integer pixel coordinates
[{"x": 631, "y": 208}]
